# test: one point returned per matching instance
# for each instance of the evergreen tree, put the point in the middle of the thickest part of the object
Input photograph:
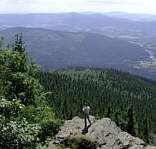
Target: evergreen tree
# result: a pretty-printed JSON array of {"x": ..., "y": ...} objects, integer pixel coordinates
[
  {"x": 130, "y": 125},
  {"x": 146, "y": 132},
  {"x": 108, "y": 112},
  {"x": 18, "y": 74},
  {"x": 116, "y": 118},
  {"x": 26, "y": 116}
]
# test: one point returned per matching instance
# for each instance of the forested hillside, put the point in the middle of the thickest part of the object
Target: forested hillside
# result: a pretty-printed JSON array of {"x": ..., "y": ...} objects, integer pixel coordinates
[
  {"x": 61, "y": 49},
  {"x": 55, "y": 49},
  {"x": 128, "y": 100}
]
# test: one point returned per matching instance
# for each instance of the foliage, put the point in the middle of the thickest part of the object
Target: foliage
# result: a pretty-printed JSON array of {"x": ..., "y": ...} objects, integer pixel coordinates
[
  {"x": 18, "y": 74},
  {"x": 77, "y": 143},
  {"x": 10, "y": 108},
  {"x": 16, "y": 132},
  {"x": 45, "y": 117},
  {"x": 26, "y": 118}
]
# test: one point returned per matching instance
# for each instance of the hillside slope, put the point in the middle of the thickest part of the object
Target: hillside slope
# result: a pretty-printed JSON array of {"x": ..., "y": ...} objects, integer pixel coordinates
[{"x": 59, "y": 49}]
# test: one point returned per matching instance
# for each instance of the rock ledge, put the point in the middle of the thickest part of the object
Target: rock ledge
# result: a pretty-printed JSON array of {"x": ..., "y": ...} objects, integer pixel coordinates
[{"x": 104, "y": 132}]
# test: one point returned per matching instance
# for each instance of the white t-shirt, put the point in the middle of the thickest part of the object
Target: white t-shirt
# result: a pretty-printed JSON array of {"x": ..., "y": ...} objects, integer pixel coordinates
[{"x": 86, "y": 109}]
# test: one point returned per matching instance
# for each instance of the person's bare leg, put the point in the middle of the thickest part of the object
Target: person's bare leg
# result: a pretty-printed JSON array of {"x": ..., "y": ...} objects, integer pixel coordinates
[
  {"x": 89, "y": 119},
  {"x": 85, "y": 117}
]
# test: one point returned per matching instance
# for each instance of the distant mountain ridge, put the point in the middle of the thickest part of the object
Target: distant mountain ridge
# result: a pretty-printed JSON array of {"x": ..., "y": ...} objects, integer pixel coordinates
[
  {"x": 76, "y": 21},
  {"x": 110, "y": 24},
  {"x": 60, "y": 49},
  {"x": 140, "y": 17}
]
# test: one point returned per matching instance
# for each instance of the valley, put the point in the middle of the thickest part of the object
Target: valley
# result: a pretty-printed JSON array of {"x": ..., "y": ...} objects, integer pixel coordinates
[
  {"x": 56, "y": 49},
  {"x": 139, "y": 31}
]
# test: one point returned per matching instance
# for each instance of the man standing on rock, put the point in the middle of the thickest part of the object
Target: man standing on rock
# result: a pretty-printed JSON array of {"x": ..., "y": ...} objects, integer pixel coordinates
[{"x": 86, "y": 109}]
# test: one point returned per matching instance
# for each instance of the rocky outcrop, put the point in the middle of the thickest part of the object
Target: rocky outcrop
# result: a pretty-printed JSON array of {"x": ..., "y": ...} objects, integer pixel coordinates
[
  {"x": 151, "y": 147},
  {"x": 104, "y": 133}
]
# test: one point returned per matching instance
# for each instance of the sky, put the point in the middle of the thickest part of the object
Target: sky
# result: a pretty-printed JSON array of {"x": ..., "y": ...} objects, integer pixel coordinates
[{"x": 53, "y": 6}]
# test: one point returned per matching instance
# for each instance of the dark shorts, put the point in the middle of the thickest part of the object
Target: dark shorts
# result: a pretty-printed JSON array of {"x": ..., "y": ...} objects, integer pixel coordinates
[{"x": 86, "y": 115}]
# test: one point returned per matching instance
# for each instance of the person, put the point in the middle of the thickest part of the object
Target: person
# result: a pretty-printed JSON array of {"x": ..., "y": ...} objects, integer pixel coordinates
[{"x": 86, "y": 109}]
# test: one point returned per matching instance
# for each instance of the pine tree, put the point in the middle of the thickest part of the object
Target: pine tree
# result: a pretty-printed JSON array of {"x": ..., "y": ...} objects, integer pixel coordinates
[
  {"x": 108, "y": 112},
  {"x": 18, "y": 74},
  {"x": 130, "y": 125}
]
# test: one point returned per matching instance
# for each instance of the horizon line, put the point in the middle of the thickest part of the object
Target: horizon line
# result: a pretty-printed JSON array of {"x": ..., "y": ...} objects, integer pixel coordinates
[{"x": 87, "y": 12}]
